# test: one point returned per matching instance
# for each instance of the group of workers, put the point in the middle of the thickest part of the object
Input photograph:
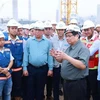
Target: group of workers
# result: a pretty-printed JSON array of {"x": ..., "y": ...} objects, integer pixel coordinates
[{"x": 47, "y": 54}]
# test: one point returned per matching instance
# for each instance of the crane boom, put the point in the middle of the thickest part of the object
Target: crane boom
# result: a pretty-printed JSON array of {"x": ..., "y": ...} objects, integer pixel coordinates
[{"x": 68, "y": 9}]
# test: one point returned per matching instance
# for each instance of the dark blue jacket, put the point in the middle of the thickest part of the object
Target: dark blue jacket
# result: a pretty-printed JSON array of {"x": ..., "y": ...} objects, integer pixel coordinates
[
  {"x": 16, "y": 50},
  {"x": 4, "y": 60}
]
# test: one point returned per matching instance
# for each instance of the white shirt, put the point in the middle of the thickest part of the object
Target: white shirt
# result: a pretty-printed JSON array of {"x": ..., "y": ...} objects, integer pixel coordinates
[
  {"x": 95, "y": 47},
  {"x": 61, "y": 45}
]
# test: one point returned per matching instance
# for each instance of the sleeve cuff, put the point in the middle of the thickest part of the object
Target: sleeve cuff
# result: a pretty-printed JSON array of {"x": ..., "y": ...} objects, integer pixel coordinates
[
  {"x": 50, "y": 68},
  {"x": 24, "y": 68}
]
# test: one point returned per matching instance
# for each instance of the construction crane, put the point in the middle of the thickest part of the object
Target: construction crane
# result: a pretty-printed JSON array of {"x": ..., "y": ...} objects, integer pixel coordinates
[{"x": 68, "y": 8}]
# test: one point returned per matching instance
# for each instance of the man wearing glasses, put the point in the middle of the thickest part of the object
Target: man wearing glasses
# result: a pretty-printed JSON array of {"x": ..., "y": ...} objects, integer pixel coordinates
[{"x": 74, "y": 65}]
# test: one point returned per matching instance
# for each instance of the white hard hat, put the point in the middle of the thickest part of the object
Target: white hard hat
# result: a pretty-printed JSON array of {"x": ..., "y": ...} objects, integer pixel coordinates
[
  {"x": 53, "y": 22},
  {"x": 32, "y": 25},
  {"x": 71, "y": 28},
  {"x": 47, "y": 24},
  {"x": 1, "y": 35},
  {"x": 98, "y": 25},
  {"x": 20, "y": 25},
  {"x": 12, "y": 22},
  {"x": 73, "y": 21},
  {"x": 26, "y": 26},
  {"x": 39, "y": 25},
  {"x": 61, "y": 25},
  {"x": 88, "y": 24}
]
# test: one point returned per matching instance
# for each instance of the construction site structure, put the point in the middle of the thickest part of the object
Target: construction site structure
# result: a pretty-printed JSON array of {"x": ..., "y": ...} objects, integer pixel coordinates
[
  {"x": 29, "y": 12},
  {"x": 68, "y": 10},
  {"x": 15, "y": 9}
]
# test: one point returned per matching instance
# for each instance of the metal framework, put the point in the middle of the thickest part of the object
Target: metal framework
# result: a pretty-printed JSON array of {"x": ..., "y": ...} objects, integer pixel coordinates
[{"x": 68, "y": 9}]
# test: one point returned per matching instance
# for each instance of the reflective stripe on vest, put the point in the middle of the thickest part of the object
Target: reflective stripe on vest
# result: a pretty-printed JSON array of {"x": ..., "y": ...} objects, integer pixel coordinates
[
  {"x": 5, "y": 78},
  {"x": 16, "y": 69},
  {"x": 95, "y": 67}
]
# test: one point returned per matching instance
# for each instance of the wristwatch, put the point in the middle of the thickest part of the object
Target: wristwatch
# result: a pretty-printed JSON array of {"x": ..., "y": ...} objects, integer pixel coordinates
[{"x": 8, "y": 68}]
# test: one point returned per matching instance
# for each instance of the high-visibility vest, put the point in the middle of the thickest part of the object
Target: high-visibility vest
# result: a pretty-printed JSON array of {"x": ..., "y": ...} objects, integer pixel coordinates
[{"x": 93, "y": 61}]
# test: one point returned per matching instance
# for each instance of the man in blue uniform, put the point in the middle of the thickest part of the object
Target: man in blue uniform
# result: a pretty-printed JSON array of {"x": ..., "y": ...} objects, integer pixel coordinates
[
  {"x": 16, "y": 46},
  {"x": 6, "y": 62}
]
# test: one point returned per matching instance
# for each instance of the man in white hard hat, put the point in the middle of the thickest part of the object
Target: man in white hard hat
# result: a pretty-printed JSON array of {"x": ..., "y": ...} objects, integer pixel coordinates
[
  {"x": 25, "y": 36},
  {"x": 59, "y": 43},
  {"x": 6, "y": 62},
  {"x": 16, "y": 46},
  {"x": 20, "y": 30},
  {"x": 32, "y": 29},
  {"x": 47, "y": 29},
  {"x": 54, "y": 23},
  {"x": 37, "y": 63},
  {"x": 47, "y": 34},
  {"x": 74, "y": 65},
  {"x": 26, "y": 31},
  {"x": 93, "y": 49},
  {"x": 97, "y": 28},
  {"x": 90, "y": 38}
]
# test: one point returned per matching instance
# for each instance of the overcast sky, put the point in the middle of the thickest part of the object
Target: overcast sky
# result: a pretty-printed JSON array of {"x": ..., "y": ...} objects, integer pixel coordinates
[{"x": 45, "y": 9}]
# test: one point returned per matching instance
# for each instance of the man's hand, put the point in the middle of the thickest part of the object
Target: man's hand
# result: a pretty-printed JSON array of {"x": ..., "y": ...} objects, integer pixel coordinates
[
  {"x": 50, "y": 73},
  {"x": 60, "y": 55},
  {"x": 25, "y": 73},
  {"x": 4, "y": 71},
  {"x": 8, "y": 74},
  {"x": 52, "y": 52},
  {"x": 1, "y": 69}
]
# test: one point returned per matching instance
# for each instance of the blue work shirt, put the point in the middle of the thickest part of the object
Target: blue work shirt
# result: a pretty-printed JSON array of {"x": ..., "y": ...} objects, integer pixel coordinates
[{"x": 37, "y": 53}]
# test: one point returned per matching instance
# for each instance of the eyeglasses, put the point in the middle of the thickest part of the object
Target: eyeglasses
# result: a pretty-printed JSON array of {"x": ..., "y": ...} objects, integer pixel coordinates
[
  {"x": 69, "y": 36},
  {"x": 47, "y": 28},
  {"x": 60, "y": 30}
]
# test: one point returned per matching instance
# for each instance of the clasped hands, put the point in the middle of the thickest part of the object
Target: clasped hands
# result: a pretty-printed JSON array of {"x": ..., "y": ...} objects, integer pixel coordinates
[{"x": 5, "y": 71}]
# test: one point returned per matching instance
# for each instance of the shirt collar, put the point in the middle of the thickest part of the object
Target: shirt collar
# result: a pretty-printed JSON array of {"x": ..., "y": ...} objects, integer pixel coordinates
[
  {"x": 9, "y": 38},
  {"x": 34, "y": 38},
  {"x": 2, "y": 50},
  {"x": 75, "y": 45},
  {"x": 59, "y": 39}
]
